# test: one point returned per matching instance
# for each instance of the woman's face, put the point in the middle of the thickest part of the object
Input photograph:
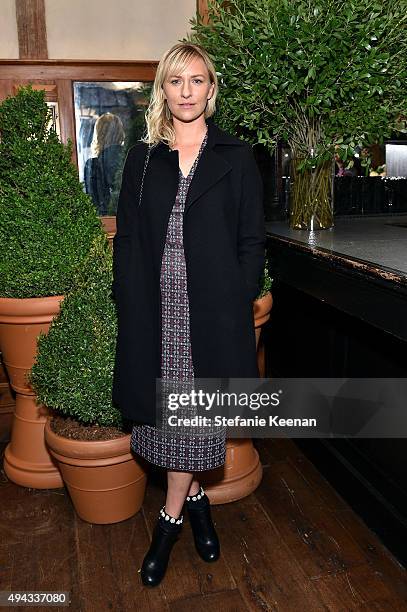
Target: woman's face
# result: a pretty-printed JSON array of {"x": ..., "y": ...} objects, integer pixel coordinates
[{"x": 188, "y": 92}]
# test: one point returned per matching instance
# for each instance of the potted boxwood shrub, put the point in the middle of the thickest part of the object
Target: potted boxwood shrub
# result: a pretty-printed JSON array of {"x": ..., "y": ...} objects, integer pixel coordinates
[
  {"x": 73, "y": 376},
  {"x": 47, "y": 224},
  {"x": 315, "y": 74}
]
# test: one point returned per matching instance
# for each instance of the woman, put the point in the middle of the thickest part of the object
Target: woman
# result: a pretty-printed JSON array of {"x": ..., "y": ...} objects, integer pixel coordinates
[
  {"x": 188, "y": 258},
  {"x": 100, "y": 173}
]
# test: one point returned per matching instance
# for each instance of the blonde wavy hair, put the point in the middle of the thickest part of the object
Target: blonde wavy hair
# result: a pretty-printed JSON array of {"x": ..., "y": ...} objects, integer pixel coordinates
[{"x": 158, "y": 115}]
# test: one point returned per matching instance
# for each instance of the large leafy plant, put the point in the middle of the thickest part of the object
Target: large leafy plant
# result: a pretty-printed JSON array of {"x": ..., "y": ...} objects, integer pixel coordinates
[
  {"x": 47, "y": 222},
  {"x": 73, "y": 372},
  {"x": 315, "y": 74}
]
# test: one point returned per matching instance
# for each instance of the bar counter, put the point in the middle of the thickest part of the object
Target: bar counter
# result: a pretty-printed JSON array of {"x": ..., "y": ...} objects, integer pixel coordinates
[
  {"x": 360, "y": 242},
  {"x": 340, "y": 310},
  {"x": 358, "y": 266}
]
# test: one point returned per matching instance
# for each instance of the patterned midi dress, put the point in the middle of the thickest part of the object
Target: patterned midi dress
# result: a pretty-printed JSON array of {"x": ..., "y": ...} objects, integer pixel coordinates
[{"x": 178, "y": 450}]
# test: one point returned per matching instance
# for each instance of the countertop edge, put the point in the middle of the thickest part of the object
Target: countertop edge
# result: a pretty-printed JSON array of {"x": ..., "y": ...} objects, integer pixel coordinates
[{"x": 352, "y": 263}]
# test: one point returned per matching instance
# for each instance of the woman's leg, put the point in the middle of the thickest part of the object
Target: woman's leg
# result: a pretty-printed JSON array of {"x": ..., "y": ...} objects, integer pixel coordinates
[
  {"x": 194, "y": 488},
  {"x": 180, "y": 484}
]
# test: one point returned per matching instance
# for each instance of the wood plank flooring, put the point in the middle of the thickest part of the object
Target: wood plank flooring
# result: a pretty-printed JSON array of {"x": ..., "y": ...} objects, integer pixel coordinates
[{"x": 293, "y": 545}]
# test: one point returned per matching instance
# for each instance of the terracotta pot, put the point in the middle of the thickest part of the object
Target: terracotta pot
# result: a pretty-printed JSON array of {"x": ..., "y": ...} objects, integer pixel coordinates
[
  {"x": 27, "y": 461},
  {"x": 7, "y": 399},
  {"x": 21, "y": 321},
  {"x": 238, "y": 477},
  {"x": 109, "y": 225},
  {"x": 261, "y": 311},
  {"x": 105, "y": 482}
]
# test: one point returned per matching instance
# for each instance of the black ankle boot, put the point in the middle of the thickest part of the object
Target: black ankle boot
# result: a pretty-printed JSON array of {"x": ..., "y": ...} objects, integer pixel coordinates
[
  {"x": 165, "y": 534},
  {"x": 205, "y": 537}
]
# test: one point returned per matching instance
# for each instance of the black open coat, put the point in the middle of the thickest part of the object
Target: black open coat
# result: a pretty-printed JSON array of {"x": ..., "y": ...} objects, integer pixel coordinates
[{"x": 224, "y": 242}]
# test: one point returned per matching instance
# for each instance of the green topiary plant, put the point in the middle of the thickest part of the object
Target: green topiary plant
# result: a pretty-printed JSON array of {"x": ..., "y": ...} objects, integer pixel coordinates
[
  {"x": 47, "y": 222},
  {"x": 73, "y": 373},
  {"x": 316, "y": 74}
]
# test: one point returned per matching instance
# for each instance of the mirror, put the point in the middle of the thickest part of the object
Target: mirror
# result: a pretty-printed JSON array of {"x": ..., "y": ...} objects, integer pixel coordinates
[{"x": 109, "y": 119}]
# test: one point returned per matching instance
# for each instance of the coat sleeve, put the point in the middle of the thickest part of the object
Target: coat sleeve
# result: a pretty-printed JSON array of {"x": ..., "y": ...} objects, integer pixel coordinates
[
  {"x": 125, "y": 213},
  {"x": 251, "y": 228}
]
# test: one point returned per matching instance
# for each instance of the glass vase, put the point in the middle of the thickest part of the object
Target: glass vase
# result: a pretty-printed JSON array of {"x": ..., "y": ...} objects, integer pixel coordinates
[{"x": 311, "y": 206}]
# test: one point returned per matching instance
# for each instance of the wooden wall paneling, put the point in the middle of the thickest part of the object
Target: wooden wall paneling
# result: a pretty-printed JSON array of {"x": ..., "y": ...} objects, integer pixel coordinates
[
  {"x": 31, "y": 29},
  {"x": 88, "y": 70},
  {"x": 67, "y": 114},
  {"x": 49, "y": 87},
  {"x": 202, "y": 9},
  {"x": 6, "y": 88}
]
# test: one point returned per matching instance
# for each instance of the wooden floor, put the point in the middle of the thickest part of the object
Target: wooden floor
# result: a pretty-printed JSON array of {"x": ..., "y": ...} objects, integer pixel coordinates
[{"x": 292, "y": 545}]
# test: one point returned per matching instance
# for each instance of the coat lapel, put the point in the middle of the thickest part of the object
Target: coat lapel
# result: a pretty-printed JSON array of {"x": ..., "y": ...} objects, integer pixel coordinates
[
  {"x": 212, "y": 167},
  {"x": 161, "y": 182}
]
